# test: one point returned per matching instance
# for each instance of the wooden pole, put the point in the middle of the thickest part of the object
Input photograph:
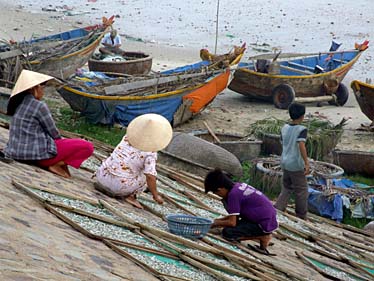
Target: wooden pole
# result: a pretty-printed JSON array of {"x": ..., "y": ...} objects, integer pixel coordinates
[
  {"x": 56, "y": 192},
  {"x": 182, "y": 254},
  {"x": 212, "y": 132},
  {"x": 314, "y": 99},
  {"x": 217, "y": 19},
  {"x": 320, "y": 271},
  {"x": 337, "y": 267}
]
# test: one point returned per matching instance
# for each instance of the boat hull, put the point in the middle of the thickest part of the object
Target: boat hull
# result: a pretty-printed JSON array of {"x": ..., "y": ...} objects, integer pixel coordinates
[
  {"x": 364, "y": 94},
  {"x": 261, "y": 85},
  {"x": 176, "y": 106},
  {"x": 141, "y": 64},
  {"x": 244, "y": 150},
  {"x": 355, "y": 162},
  {"x": 63, "y": 66}
]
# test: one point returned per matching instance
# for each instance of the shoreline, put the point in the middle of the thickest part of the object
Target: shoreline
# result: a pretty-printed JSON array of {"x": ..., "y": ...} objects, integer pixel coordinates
[{"x": 21, "y": 24}]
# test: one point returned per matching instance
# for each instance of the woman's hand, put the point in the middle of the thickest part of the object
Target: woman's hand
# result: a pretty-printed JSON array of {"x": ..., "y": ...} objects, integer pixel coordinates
[{"x": 158, "y": 199}]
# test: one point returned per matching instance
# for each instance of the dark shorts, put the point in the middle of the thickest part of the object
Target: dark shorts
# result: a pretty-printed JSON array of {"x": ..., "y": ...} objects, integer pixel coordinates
[{"x": 242, "y": 229}]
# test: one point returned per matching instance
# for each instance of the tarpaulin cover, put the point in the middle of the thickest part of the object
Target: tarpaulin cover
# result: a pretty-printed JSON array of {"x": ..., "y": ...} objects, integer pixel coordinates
[
  {"x": 124, "y": 114},
  {"x": 332, "y": 205},
  {"x": 186, "y": 68},
  {"x": 326, "y": 206}
]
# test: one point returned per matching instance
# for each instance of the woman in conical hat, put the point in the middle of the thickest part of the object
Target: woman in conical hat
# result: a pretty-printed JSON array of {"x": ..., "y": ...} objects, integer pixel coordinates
[
  {"x": 33, "y": 135},
  {"x": 131, "y": 167}
]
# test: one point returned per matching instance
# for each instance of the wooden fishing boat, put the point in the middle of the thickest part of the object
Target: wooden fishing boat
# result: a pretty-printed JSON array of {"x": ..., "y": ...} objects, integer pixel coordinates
[
  {"x": 297, "y": 77},
  {"x": 58, "y": 55},
  {"x": 364, "y": 94},
  {"x": 134, "y": 63},
  {"x": 177, "y": 94},
  {"x": 243, "y": 148},
  {"x": 355, "y": 162}
]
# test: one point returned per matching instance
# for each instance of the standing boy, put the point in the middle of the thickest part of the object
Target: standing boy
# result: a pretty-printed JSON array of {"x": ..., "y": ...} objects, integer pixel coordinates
[
  {"x": 251, "y": 215},
  {"x": 294, "y": 162}
]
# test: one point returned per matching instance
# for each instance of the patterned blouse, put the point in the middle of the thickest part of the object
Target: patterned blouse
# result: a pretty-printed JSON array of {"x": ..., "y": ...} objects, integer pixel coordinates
[
  {"x": 32, "y": 131},
  {"x": 123, "y": 172}
]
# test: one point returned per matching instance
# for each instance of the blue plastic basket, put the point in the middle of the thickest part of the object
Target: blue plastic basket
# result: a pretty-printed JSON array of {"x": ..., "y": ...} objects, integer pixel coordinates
[{"x": 188, "y": 226}]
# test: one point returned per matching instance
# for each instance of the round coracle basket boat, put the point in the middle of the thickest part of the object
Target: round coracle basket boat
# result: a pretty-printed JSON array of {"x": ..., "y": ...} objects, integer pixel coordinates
[
  {"x": 242, "y": 147},
  {"x": 134, "y": 63},
  {"x": 271, "y": 166}
]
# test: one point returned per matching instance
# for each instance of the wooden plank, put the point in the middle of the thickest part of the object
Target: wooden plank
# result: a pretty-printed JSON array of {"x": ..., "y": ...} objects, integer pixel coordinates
[
  {"x": 6, "y": 91},
  {"x": 340, "y": 61},
  {"x": 10, "y": 54},
  {"x": 301, "y": 65},
  {"x": 305, "y": 72},
  {"x": 314, "y": 99},
  {"x": 211, "y": 132},
  {"x": 123, "y": 88}
]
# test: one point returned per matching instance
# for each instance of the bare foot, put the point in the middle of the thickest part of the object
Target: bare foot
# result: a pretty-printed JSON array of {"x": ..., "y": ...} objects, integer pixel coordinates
[
  {"x": 132, "y": 200},
  {"x": 265, "y": 241},
  {"x": 66, "y": 169},
  {"x": 58, "y": 170}
]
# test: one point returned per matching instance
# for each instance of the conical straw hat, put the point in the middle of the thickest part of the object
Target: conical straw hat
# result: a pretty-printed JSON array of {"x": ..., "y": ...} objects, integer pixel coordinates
[
  {"x": 27, "y": 80},
  {"x": 149, "y": 132}
]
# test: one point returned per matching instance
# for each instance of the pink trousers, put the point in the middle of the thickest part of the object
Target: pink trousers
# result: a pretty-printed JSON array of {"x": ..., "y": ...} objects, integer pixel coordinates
[{"x": 71, "y": 151}]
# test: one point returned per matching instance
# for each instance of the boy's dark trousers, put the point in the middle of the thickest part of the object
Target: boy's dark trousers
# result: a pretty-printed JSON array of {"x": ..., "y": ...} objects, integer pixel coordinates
[{"x": 294, "y": 182}]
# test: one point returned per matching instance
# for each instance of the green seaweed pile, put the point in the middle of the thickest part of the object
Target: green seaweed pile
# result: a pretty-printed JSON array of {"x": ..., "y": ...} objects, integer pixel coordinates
[{"x": 323, "y": 135}]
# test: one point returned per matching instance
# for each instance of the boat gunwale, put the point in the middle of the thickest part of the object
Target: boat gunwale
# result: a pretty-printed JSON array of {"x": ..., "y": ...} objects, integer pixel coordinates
[
  {"x": 358, "y": 83},
  {"x": 86, "y": 48},
  {"x": 150, "y": 97},
  {"x": 154, "y": 96},
  {"x": 147, "y": 58},
  {"x": 320, "y": 75}
]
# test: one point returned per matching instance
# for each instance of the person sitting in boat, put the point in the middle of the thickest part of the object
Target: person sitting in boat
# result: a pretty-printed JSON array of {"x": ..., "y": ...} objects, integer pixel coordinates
[
  {"x": 262, "y": 66},
  {"x": 112, "y": 44},
  {"x": 251, "y": 215},
  {"x": 33, "y": 135},
  {"x": 131, "y": 167}
]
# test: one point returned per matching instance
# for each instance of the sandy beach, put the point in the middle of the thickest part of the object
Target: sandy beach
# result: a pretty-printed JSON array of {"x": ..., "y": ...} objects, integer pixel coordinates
[
  {"x": 174, "y": 33},
  {"x": 35, "y": 245}
]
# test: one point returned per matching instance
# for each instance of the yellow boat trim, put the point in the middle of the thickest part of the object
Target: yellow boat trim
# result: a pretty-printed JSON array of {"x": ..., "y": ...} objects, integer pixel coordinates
[
  {"x": 236, "y": 60},
  {"x": 93, "y": 44},
  {"x": 150, "y": 97},
  {"x": 357, "y": 84},
  {"x": 303, "y": 76}
]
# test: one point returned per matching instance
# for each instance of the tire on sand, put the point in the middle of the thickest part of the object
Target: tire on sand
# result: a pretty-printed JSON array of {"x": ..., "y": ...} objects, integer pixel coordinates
[
  {"x": 283, "y": 96},
  {"x": 342, "y": 95}
]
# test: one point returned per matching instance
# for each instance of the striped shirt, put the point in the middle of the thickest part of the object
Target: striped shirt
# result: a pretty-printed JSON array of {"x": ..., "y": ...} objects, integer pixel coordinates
[{"x": 32, "y": 132}]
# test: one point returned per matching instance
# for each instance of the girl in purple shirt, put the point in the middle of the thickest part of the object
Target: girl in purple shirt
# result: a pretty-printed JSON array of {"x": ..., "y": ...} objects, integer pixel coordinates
[{"x": 251, "y": 214}]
